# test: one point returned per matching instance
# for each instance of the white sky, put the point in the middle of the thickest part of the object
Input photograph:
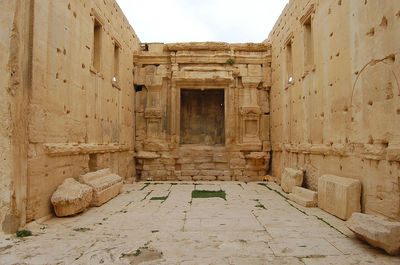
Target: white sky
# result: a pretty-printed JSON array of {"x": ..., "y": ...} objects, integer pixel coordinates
[{"x": 202, "y": 20}]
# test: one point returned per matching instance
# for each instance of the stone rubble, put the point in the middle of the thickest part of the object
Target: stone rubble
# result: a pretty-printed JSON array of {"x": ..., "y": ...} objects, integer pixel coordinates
[
  {"x": 71, "y": 197},
  {"x": 377, "y": 231},
  {"x": 291, "y": 178},
  {"x": 105, "y": 185}
]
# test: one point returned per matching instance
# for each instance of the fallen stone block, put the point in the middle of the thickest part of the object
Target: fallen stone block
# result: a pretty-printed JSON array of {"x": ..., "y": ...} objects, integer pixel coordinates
[
  {"x": 339, "y": 196},
  {"x": 105, "y": 184},
  {"x": 71, "y": 197},
  {"x": 377, "y": 231},
  {"x": 291, "y": 178},
  {"x": 304, "y": 197}
]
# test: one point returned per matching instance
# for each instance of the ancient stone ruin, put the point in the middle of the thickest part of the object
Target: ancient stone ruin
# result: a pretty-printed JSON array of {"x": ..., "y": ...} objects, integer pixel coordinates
[{"x": 316, "y": 106}]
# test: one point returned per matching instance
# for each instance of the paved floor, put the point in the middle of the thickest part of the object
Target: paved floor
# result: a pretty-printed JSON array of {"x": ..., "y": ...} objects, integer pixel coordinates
[{"x": 255, "y": 225}]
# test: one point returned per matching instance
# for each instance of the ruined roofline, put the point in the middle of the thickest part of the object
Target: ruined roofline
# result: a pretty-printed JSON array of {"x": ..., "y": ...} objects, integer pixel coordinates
[{"x": 215, "y": 46}]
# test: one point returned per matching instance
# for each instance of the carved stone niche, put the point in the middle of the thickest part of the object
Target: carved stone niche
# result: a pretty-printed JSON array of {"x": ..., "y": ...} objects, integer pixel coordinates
[
  {"x": 250, "y": 124},
  {"x": 153, "y": 122}
]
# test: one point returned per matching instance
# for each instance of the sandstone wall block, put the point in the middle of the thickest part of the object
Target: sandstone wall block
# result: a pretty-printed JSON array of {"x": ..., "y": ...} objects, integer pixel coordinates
[
  {"x": 377, "y": 231},
  {"x": 339, "y": 196},
  {"x": 71, "y": 197},
  {"x": 291, "y": 178}
]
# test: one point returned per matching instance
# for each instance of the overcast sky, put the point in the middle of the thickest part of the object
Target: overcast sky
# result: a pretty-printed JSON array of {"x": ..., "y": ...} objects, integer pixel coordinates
[{"x": 202, "y": 20}]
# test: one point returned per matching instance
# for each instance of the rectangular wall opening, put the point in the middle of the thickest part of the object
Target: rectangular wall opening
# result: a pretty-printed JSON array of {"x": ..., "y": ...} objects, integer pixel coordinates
[
  {"x": 97, "y": 32},
  {"x": 202, "y": 118},
  {"x": 116, "y": 63},
  {"x": 92, "y": 162},
  {"x": 289, "y": 63},
  {"x": 308, "y": 43}
]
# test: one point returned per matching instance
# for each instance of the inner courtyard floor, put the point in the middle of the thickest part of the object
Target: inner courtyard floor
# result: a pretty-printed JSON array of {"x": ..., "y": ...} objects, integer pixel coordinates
[{"x": 164, "y": 223}]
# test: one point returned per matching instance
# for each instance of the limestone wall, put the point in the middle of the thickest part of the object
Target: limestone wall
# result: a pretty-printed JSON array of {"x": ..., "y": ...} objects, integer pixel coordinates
[
  {"x": 341, "y": 113},
  {"x": 14, "y": 72},
  {"x": 14, "y": 82},
  {"x": 238, "y": 148},
  {"x": 78, "y": 118}
]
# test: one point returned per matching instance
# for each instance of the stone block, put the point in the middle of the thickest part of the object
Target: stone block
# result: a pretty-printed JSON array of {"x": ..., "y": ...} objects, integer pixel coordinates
[
  {"x": 377, "y": 231},
  {"x": 291, "y": 178},
  {"x": 237, "y": 163},
  {"x": 205, "y": 178},
  {"x": 251, "y": 173},
  {"x": 206, "y": 166},
  {"x": 71, "y": 197},
  {"x": 187, "y": 166},
  {"x": 304, "y": 197},
  {"x": 168, "y": 161},
  {"x": 211, "y": 173},
  {"x": 221, "y": 166},
  {"x": 220, "y": 158},
  {"x": 189, "y": 172},
  {"x": 147, "y": 155},
  {"x": 155, "y": 146},
  {"x": 224, "y": 178},
  {"x": 184, "y": 178},
  {"x": 202, "y": 159},
  {"x": 105, "y": 185},
  {"x": 256, "y": 155},
  {"x": 339, "y": 196}
]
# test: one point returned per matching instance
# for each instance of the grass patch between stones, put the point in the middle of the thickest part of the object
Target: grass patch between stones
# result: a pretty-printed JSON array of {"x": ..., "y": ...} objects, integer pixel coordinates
[
  {"x": 260, "y": 205},
  {"x": 278, "y": 192},
  {"x": 81, "y": 229},
  {"x": 209, "y": 194},
  {"x": 145, "y": 185},
  {"x": 163, "y": 198},
  {"x": 23, "y": 233},
  {"x": 147, "y": 195}
]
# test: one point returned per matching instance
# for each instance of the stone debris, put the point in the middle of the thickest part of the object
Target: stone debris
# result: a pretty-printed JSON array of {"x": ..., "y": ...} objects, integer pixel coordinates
[
  {"x": 339, "y": 196},
  {"x": 71, "y": 197},
  {"x": 304, "y": 197},
  {"x": 291, "y": 178},
  {"x": 105, "y": 184},
  {"x": 377, "y": 231}
]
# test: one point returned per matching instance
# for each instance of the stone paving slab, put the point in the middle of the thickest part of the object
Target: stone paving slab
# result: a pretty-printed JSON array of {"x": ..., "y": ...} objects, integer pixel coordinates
[{"x": 186, "y": 230}]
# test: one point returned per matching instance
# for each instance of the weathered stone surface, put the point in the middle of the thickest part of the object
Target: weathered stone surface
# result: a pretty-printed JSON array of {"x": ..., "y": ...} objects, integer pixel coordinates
[
  {"x": 69, "y": 123},
  {"x": 304, "y": 197},
  {"x": 147, "y": 155},
  {"x": 206, "y": 178},
  {"x": 291, "y": 178},
  {"x": 353, "y": 130},
  {"x": 339, "y": 196},
  {"x": 244, "y": 233},
  {"x": 377, "y": 231},
  {"x": 189, "y": 172},
  {"x": 71, "y": 197},
  {"x": 256, "y": 155},
  {"x": 105, "y": 185}
]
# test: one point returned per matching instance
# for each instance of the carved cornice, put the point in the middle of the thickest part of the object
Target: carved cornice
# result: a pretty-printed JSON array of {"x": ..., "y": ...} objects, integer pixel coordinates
[{"x": 250, "y": 110}]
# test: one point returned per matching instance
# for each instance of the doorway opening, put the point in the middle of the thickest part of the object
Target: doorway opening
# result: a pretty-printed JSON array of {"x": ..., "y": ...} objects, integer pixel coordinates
[{"x": 202, "y": 117}]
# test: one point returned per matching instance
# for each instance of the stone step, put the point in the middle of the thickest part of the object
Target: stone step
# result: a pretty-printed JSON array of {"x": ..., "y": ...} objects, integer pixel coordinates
[
  {"x": 304, "y": 197},
  {"x": 306, "y": 193}
]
